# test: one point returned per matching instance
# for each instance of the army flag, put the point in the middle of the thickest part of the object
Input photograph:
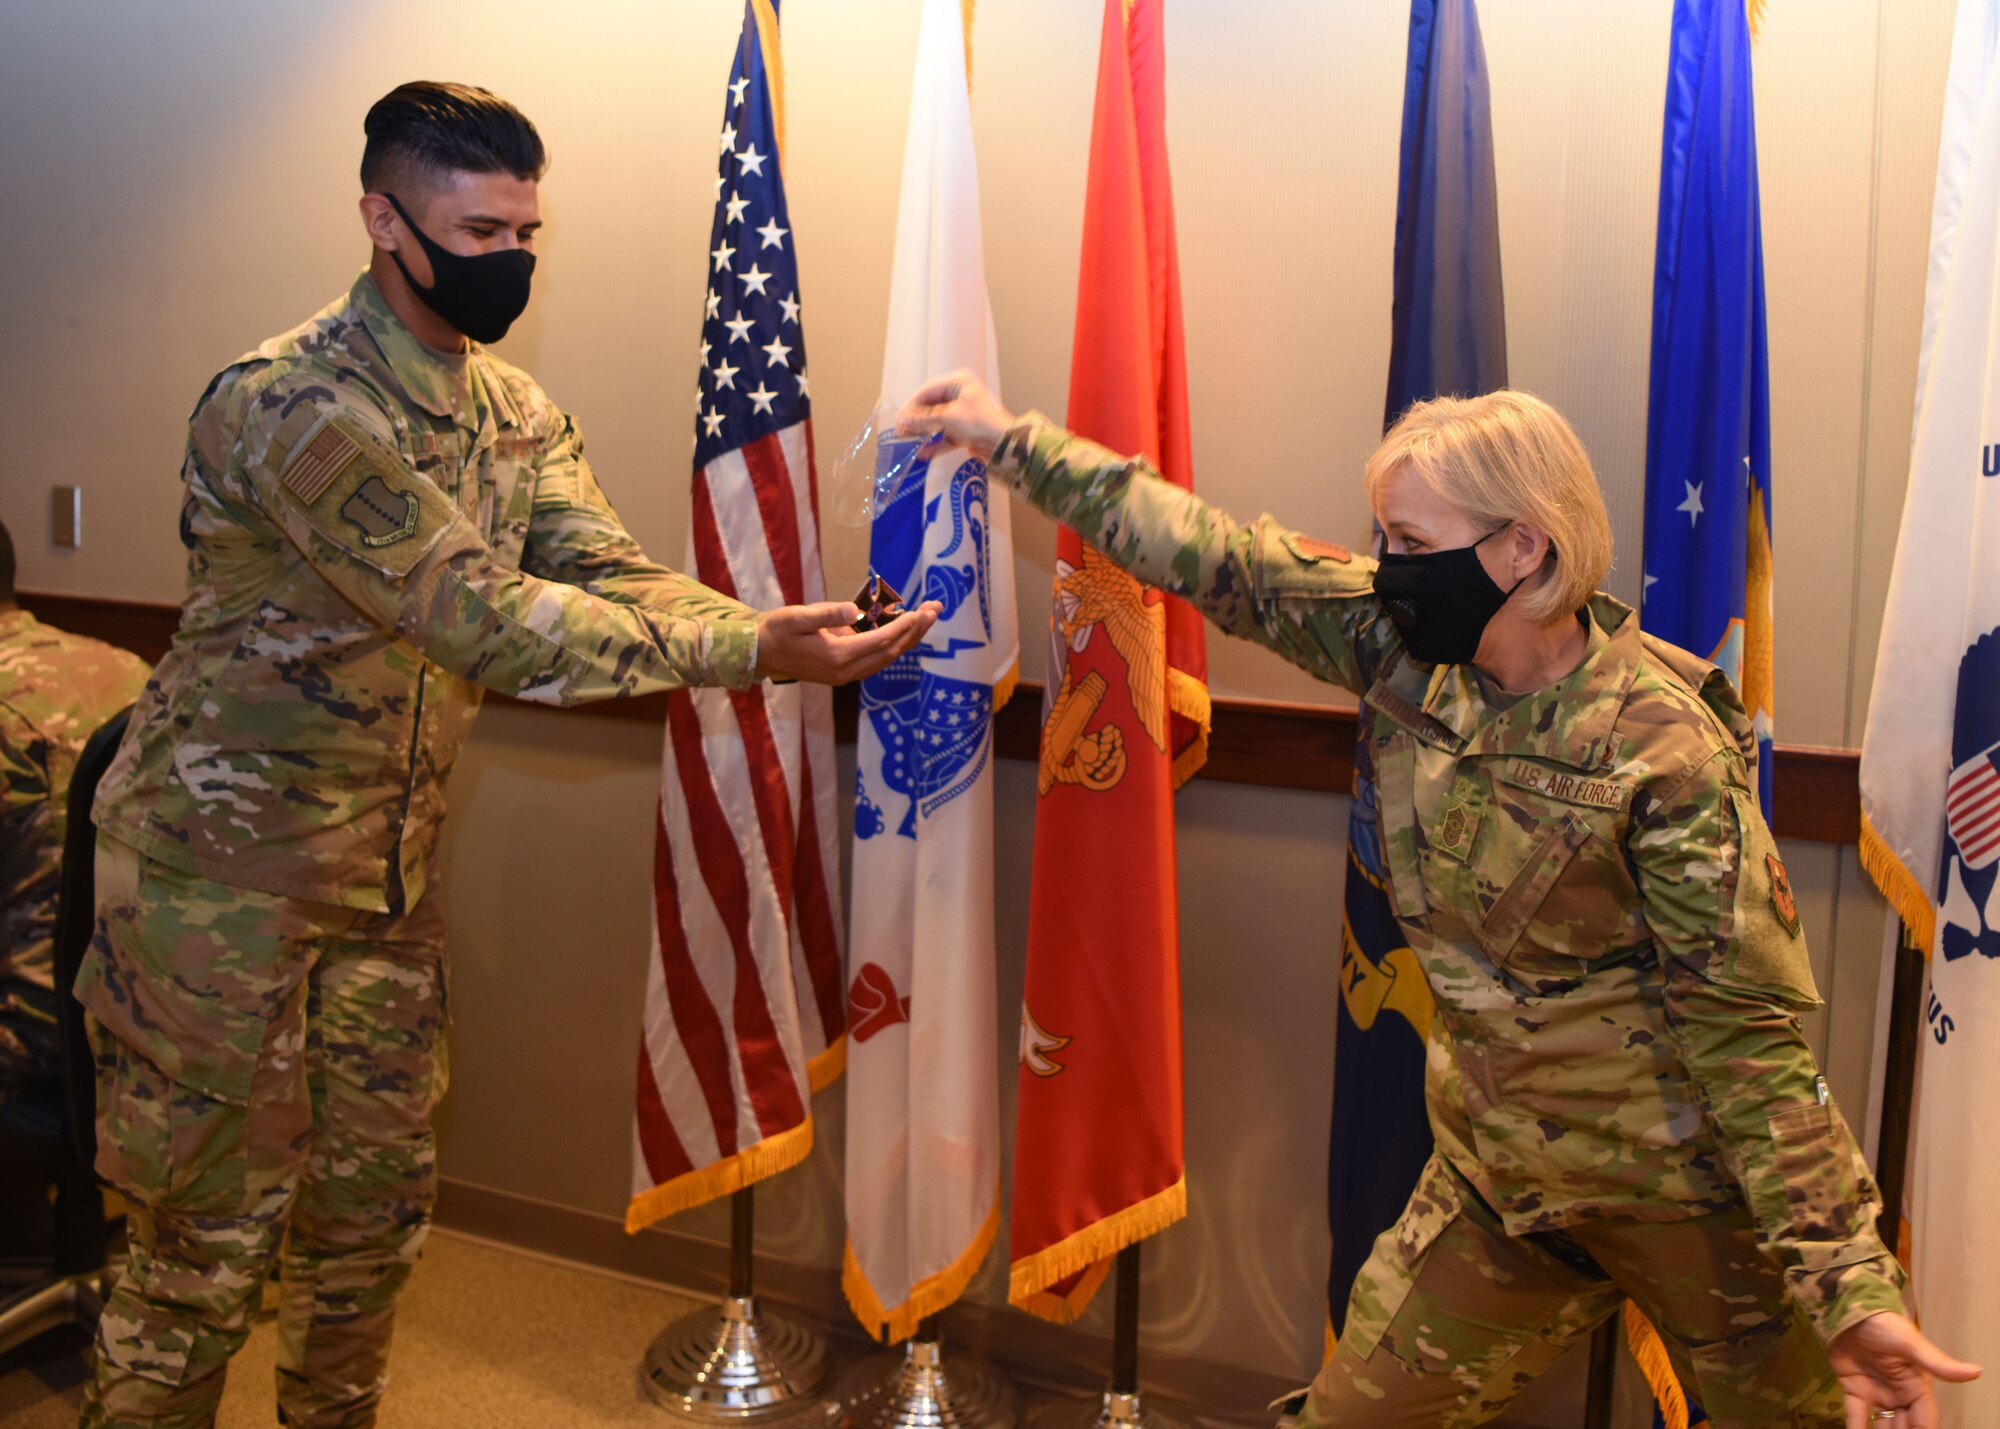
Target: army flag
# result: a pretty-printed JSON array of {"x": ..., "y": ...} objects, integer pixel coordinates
[
  {"x": 1930, "y": 758},
  {"x": 744, "y": 1008},
  {"x": 1098, "y": 1155},
  {"x": 1706, "y": 583},
  {"x": 923, "y": 1113},
  {"x": 1449, "y": 337}
]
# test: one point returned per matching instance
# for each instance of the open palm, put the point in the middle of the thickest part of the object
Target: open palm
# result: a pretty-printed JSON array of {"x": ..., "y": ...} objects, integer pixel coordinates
[{"x": 1884, "y": 1362}]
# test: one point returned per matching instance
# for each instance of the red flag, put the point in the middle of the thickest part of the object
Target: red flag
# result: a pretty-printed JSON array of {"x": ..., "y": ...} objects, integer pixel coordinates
[{"x": 1098, "y": 1158}]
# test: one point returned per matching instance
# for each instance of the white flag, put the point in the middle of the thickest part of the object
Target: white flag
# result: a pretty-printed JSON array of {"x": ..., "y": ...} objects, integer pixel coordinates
[
  {"x": 1930, "y": 761},
  {"x": 923, "y": 1134}
]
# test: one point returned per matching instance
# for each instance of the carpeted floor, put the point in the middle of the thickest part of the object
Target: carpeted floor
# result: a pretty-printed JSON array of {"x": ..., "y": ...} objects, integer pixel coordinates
[{"x": 466, "y": 1353}]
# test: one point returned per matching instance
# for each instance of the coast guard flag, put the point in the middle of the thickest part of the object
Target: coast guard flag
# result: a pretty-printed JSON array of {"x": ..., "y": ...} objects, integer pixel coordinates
[
  {"x": 1930, "y": 760},
  {"x": 1098, "y": 1158},
  {"x": 923, "y": 1115},
  {"x": 744, "y": 1009},
  {"x": 1449, "y": 338},
  {"x": 1707, "y": 569}
]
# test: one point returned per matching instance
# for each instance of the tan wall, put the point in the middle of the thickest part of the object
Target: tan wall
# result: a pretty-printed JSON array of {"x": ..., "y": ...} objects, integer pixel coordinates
[{"x": 181, "y": 183}]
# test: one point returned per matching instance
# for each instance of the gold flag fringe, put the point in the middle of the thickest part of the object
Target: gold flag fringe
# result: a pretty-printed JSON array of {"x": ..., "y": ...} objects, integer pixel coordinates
[
  {"x": 825, "y": 1069},
  {"x": 774, "y": 67},
  {"x": 767, "y": 1158},
  {"x": 1755, "y": 10},
  {"x": 927, "y": 1297},
  {"x": 1651, "y": 1353},
  {"x": 1905, "y": 894},
  {"x": 965, "y": 11},
  {"x": 1091, "y": 1249},
  {"x": 1004, "y": 687},
  {"x": 1188, "y": 698}
]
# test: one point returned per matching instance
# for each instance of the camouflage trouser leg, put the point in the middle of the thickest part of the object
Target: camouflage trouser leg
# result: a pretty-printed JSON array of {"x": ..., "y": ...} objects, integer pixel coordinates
[
  {"x": 262, "y": 1062},
  {"x": 1451, "y": 1317},
  {"x": 376, "y": 1063}
]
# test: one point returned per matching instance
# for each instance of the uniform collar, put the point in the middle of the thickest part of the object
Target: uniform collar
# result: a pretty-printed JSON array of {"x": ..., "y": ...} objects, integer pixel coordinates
[
  {"x": 425, "y": 379},
  {"x": 1569, "y": 722}
]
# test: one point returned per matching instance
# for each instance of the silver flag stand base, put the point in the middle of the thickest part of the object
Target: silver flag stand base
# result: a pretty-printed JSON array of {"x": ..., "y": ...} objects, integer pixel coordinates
[
  {"x": 1117, "y": 1411},
  {"x": 733, "y": 1363},
  {"x": 915, "y": 1387}
]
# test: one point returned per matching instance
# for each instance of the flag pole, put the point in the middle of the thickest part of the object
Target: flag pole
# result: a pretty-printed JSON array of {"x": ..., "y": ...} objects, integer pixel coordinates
[
  {"x": 733, "y": 1363},
  {"x": 1899, "y": 1080},
  {"x": 1122, "y": 1406}
]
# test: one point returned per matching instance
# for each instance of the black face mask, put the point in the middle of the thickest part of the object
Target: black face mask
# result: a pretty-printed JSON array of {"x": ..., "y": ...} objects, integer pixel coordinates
[
  {"x": 1441, "y": 601},
  {"x": 481, "y": 295}
]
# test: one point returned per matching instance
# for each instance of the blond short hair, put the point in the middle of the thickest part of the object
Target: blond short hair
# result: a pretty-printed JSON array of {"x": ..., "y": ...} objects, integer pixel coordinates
[{"x": 1509, "y": 456}]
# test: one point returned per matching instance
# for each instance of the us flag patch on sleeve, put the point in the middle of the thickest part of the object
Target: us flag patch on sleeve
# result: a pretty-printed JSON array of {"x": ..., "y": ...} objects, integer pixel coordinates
[{"x": 314, "y": 466}]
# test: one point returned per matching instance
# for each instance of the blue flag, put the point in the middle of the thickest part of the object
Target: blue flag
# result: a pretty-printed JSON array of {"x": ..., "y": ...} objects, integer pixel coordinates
[
  {"x": 1707, "y": 582},
  {"x": 1450, "y": 337}
]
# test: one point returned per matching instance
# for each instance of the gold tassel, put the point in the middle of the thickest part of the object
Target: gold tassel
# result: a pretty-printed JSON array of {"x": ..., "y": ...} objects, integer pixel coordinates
[
  {"x": 1089, "y": 1249},
  {"x": 747, "y": 1167},
  {"x": 1755, "y": 9},
  {"x": 1907, "y": 896},
  {"x": 1644, "y": 1342}
]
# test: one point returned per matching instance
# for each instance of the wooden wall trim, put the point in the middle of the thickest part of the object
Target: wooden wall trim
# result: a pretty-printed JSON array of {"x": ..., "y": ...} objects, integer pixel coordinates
[
  {"x": 1277, "y": 745},
  {"x": 1038, "y": 1355}
]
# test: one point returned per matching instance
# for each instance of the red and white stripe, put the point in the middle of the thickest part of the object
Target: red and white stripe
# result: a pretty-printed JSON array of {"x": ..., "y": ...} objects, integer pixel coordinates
[
  {"x": 1972, "y": 809},
  {"x": 745, "y": 1002}
]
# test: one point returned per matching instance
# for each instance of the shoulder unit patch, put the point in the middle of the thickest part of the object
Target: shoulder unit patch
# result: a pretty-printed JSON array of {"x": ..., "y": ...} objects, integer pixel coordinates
[{"x": 1782, "y": 901}]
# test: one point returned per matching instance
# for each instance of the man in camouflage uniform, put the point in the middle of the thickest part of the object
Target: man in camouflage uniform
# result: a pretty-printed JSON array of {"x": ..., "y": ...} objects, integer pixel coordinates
[
  {"x": 381, "y": 518},
  {"x": 1622, "y": 1098},
  {"x": 55, "y": 690}
]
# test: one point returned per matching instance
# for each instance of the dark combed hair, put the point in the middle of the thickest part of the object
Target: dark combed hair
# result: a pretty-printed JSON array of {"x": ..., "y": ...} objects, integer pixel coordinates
[{"x": 422, "y": 133}]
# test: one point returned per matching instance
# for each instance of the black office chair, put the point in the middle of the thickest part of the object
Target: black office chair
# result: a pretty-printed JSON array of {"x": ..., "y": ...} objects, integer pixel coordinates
[{"x": 55, "y": 1137}]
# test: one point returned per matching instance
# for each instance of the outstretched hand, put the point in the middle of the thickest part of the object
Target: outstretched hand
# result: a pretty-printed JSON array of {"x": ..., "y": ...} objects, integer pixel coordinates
[
  {"x": 1885, "y": 1362},
  {"x": 960, "y": 409},
  {"x": 819, "y": 643}
]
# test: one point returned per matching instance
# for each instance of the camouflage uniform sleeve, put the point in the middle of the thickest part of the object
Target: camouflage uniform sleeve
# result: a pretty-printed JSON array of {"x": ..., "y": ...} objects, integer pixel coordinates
[
  {"x": 1310, "y": 601},
  {"x": 323, "y": 466},
  {"x": 27, "y": 823},
  {"x": 575, "y": 537},
  {"x": 1736, "y": 979}
]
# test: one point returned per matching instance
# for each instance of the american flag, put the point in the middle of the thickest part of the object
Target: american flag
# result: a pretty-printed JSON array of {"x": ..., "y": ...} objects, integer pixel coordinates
[
  {"x": 1972, "y": 808},
  {"x": 745, "y": 1005}
]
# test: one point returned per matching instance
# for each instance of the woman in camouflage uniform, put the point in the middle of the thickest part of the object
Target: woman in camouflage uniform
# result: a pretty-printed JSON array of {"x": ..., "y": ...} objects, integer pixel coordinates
[{"x": 1622, "y": 1098}]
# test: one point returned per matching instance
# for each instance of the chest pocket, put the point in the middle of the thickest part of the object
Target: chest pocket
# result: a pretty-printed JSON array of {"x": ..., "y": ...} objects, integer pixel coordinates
[{"x": 1566, "y": 895}]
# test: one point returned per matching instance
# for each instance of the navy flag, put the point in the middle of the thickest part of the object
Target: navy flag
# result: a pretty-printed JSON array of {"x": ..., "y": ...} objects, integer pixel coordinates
[{"x": 1450, "y": 338}]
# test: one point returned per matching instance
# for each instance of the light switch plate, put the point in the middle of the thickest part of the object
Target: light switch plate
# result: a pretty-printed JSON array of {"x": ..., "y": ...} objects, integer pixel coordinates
[{"x": 66, "y": 511}]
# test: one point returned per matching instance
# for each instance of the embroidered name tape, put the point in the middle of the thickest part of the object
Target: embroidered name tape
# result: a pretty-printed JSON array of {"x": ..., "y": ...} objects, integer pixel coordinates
[
  {"x": 1570, "y": 788},
  {"x": 314, "y": 466}
]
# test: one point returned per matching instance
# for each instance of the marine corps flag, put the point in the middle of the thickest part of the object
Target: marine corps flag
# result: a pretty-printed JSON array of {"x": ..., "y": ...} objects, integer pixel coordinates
[
  {"x": 1707, "y": 574},
  {"x": 1930, "y": 760},
  {"x": 923, "y": 1095},
  {"x": 1098, "y": 1160},
  {"x": 1449, "y": 338},
  {"x": 744, "y": 1011}
]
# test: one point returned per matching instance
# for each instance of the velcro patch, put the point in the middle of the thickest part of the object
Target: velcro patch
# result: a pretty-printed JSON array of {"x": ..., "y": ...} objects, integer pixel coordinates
[
  {"x": 1455, "y": 831},
  {"x": 1311, "y": 548},
  {"x": 1570, "y": 788},
  {"x": 314, "y": 466},
  {"x": 1782, "y": 902}
]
